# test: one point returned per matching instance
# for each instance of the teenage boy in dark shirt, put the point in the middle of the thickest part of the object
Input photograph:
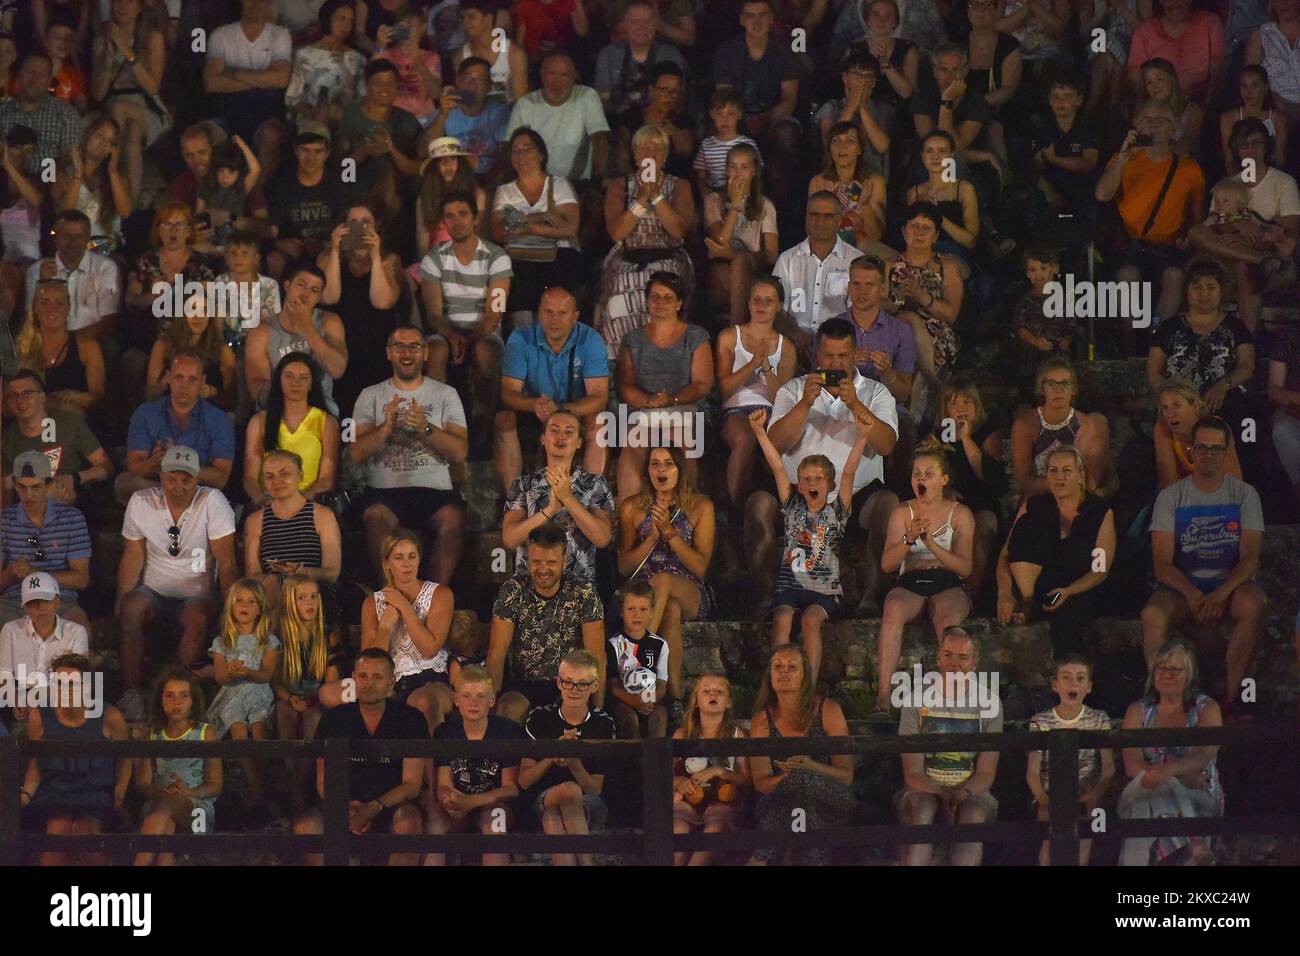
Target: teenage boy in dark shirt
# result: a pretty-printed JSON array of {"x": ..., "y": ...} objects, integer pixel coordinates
[
  {"x": 474, "y": 791},
  {"x": 382, "y": 790},
  {"x": 565, "y": 792},
  {"x": 1066, "y": 153}
]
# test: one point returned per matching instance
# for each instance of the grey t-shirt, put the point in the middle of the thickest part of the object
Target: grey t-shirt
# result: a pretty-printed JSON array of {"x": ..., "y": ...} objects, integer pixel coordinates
[
  {"x": 280, "y": 343},
  {"x": 664, "y": 369},
  {"x": 406, "y": 462},
  {"x": 1207, "y": 527}
]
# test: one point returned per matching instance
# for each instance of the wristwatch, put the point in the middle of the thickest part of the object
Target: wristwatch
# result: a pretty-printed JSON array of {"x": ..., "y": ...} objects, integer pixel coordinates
[
  {"x": 428, "y": 428},
  {"x": 948, "y": 104}
]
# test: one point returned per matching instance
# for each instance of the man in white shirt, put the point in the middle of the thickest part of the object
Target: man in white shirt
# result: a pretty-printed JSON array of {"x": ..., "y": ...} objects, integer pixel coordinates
[
  {"x": 245, "y": 76},
  {"x": 174, "y": 534},
  {"x": 815, "y": 273},
  {"x": 809, "y": 418},
  {"x": 29, "y": 645},
  {"x": 94, "y": 280},
  {"x": 569, "y": 117}
]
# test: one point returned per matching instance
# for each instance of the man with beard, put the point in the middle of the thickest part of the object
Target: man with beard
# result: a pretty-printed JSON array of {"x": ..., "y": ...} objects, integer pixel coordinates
[
  {"x": 300, "y": 327},
  {"x": 465, "y": 283},
  {"x": 408, "y": 429},
  {"x": 539, "y": 619}
]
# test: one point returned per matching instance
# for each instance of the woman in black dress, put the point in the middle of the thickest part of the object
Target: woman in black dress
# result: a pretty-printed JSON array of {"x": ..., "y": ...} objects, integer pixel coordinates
[{"x": 1061, "y": 548}]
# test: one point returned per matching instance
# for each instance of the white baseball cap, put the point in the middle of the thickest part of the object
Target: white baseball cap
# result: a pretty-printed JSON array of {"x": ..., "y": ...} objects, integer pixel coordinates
[{"x": 40, "y": 586}]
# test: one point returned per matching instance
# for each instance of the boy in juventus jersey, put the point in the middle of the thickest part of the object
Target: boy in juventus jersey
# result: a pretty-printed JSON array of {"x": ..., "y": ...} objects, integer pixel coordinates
[{"x": 638, "y": 668}]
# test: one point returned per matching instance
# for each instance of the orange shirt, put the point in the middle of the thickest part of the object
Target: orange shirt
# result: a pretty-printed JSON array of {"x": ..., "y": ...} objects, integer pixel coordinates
[{"x": 1139, "y": 187}]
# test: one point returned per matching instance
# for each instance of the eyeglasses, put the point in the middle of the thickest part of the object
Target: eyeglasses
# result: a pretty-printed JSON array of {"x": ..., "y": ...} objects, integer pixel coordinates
[
  {"x": 566, "y": 684},
  {"x": 1170, "y": 671},
  {"x": 175, "y": 224},
  {"x": 35, "y": 542},
  {"x": 25, "y": 394},
  {"x": 530, "y": 148},
  {"x": 668, "y": 90},
  {"x": 407, "y": 346},
  {"x": 174, "y": 532},
  {"x": 1214, "y": 450},
  {"x": 1061, "y": 383}
]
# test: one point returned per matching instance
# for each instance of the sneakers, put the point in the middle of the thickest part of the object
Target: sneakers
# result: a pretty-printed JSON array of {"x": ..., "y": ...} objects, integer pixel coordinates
[{"x": 131, "y": 704}]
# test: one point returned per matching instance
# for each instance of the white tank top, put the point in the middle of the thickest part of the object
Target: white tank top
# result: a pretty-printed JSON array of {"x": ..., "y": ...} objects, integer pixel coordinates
[
  {"x": 406, "y": 655},
  {"x": 1267, "y": 121},
  {"x": 752, "y": 392},
  {"x": 919, "y": 550},
  {"x": 499, "y": 71}
]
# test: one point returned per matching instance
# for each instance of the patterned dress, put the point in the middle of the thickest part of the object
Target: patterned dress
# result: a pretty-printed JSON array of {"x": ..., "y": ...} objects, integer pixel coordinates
[
  {"x": 930, "y": 277},
  {"x": 825, "y": 802},
  {"x": 248, "y": 701},
  {"x": 648, "y": 248},
  {"x": 662, "y": 559}
]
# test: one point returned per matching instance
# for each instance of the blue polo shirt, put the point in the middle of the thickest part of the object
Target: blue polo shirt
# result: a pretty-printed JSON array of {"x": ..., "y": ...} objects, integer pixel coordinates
[
  {"x": 560, "y": 377},
  {"x": 61, "y": 538},
  {"x": 209, "y": 431}
]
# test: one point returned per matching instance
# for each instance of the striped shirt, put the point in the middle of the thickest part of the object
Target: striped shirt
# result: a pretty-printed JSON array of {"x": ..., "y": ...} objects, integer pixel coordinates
[
  {"x": 62, "y": 537},
  {"x": 711, "y": 158},
  {"x": 293, "y": 540},
  {"x": 464, "y": 287}
]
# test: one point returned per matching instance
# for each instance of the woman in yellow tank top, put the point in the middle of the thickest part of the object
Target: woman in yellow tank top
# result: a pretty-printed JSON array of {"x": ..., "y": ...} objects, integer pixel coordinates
[{"x": 294, "y": 420}]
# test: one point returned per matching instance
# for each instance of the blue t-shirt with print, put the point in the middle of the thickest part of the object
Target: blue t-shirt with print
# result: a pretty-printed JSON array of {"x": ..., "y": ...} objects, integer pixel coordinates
[{"x": 1207, "y": 526}]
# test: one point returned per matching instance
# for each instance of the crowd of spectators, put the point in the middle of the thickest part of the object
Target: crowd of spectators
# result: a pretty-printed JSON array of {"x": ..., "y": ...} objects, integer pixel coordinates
[{"x": 392, "y": 252}]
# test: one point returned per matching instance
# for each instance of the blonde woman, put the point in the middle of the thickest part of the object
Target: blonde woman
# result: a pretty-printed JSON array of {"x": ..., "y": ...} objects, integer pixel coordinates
[
  {"x": 1170, "y": 781},
  {"x": 1061, "y": 548},
  {"x": 409, "y": 618},
  {"x": 71, "y": 363}
]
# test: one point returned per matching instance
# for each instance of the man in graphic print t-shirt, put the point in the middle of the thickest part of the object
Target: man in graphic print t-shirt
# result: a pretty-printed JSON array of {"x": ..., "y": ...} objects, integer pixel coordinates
[{"x": 1206, "y": 533}]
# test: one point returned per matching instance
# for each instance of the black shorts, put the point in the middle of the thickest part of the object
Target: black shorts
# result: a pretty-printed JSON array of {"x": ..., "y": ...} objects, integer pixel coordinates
[
  {"x": 413, "y": 507},
  {"x": 859, "y": 501},
  {"x": 800, "y": 599},
  {"x": 929, "y": 581},
  {"x": 412, "y": 682},
  {"x": 537, "y": 692}
]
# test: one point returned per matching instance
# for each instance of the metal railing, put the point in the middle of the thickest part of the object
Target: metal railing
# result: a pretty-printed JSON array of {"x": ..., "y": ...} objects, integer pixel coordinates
[{"x": 655, "y": 843}]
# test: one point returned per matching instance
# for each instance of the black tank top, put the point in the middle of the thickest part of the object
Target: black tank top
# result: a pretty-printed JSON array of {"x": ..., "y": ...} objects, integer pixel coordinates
[
  {"x": 69, "y": 373},
  {"x": 815, "y": 729},
  {"x": 365, "y": 330},
  {"x": 293, "y": 539}
]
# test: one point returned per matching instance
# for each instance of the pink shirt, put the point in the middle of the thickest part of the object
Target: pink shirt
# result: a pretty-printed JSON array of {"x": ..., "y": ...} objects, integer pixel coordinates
[
  {"x": 1191, "y": 54},
  {"x": 409, "y": 89}
]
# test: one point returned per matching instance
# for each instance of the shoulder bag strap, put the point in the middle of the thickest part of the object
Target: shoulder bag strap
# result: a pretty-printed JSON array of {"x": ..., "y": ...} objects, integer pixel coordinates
[{"x": 1160, "y": 198}]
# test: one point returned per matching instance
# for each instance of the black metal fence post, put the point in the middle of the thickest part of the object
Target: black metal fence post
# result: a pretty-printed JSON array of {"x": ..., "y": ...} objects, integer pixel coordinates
[
  {"x": 11, "y": 779},
  {"x": 657, "y": 800},
  {"x": 335, "y": 807},
  {"x": 1063, "y": 791}
]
